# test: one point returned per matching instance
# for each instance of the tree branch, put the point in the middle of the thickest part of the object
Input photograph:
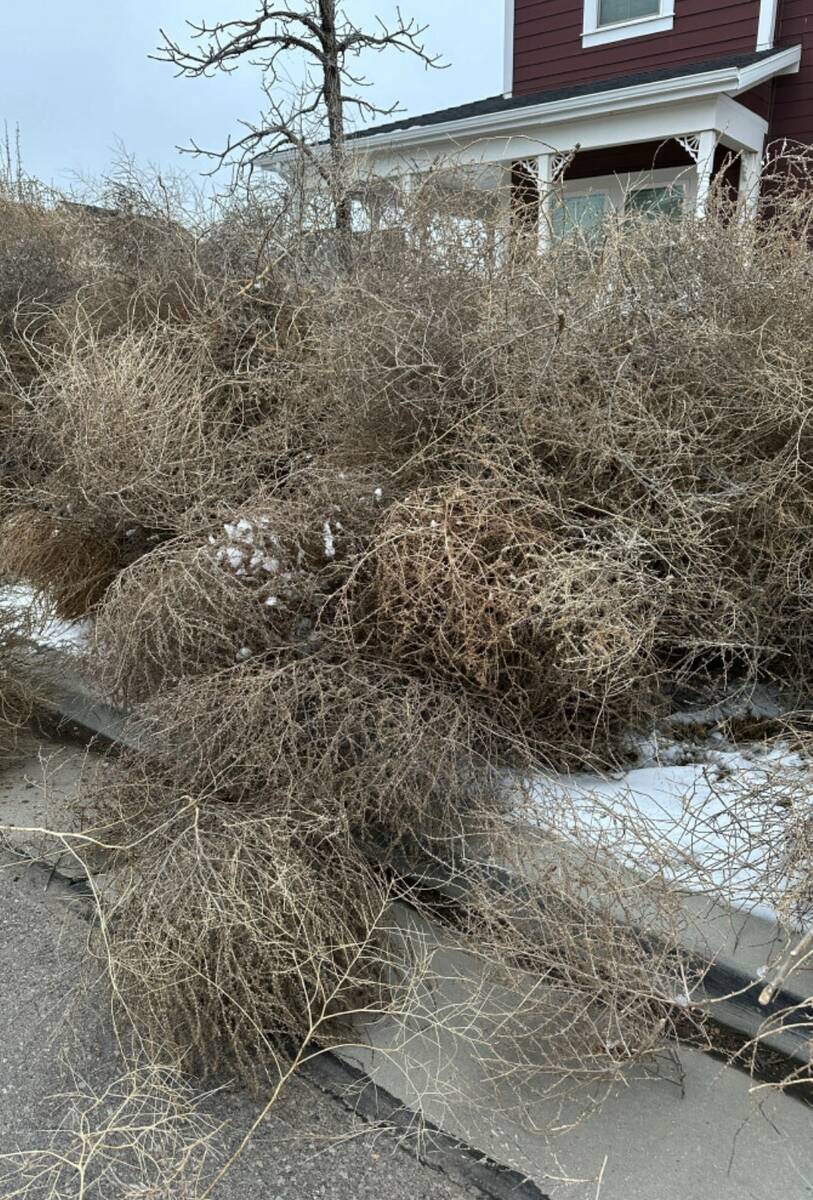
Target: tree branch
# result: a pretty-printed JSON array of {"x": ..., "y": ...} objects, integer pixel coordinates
[{"x": 321, "y": 32}]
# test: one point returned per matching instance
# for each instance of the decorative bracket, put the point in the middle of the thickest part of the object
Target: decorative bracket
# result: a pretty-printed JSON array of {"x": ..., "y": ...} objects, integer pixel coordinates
[
  {"x": 691, "y": 144},
  {"x": 559, "y": 164}
]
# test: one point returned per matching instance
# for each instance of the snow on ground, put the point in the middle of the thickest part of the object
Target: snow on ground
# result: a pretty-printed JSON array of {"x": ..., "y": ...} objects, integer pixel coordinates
[
  {"x": 708, "y": 816},
  {"x": 711, "y": 818},
  {"x": 46, "y": 628}
]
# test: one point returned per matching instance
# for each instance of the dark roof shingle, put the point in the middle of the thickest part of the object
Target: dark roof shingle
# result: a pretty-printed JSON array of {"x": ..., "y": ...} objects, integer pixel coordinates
[{"x": 496, "y": 104}]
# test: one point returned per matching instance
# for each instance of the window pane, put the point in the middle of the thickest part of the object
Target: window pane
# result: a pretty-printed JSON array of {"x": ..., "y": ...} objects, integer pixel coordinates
[
  {"x": 584, "y": 213},
  {"x": 656, "y": 201},
  {"x": 612, "y": 11}
]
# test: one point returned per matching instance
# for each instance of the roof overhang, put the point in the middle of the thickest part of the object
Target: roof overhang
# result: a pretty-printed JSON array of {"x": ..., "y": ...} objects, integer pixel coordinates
[
  {"x": 647, "y": 110},
  {"x": 725, "y": 81}
]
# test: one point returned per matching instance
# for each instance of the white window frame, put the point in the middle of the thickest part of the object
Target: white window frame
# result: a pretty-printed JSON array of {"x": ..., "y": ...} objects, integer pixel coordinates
[
  {"x": 594, "y": 34},
  {"x": 617, "y": 187},
  {"x": 568, "y": 193}
]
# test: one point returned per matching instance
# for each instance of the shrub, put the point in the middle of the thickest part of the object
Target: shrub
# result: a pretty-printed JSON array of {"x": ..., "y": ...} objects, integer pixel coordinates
[
  {"x": 387, "y": 542},
  {"x": 138, "y": 428},
  {"x": 484, "y": 589},
  {"x": 256, "y": 584},
  {"x": 271, "y": 821},
  {"x": 179, "y": 611},
  {"x": 350, "y": 749},
  {"x": 230, "y": 939}
]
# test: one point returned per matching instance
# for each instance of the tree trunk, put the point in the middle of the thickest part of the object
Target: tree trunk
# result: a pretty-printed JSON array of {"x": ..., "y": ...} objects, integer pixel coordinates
[{"x": 335, "y": 120}]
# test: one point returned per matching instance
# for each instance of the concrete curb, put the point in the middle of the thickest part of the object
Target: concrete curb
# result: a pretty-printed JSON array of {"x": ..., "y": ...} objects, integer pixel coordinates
[{"x": 453, "y": 1158}]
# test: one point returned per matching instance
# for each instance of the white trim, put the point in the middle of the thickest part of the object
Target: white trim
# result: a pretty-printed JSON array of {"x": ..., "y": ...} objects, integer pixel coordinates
[
  {"x": 545, "y": 182},
  {"x": 750, "y": 183},
  {"x": 786, "y": 63},
  {"x": 736, "y": 127},
  {"x": 508, "y": 50},
  {"x": 629, "y": 29},
  {"x": 767, "y": 24},
  {"x": 594, "y": 34},
  {"x": 602, "y": 132},
  {"x": 706, "y": 145},
  {"x": 619, "y": 102}
]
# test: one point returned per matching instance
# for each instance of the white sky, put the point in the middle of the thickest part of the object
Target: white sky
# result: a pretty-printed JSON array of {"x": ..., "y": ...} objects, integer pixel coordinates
[{"x": 75, "y": 76}]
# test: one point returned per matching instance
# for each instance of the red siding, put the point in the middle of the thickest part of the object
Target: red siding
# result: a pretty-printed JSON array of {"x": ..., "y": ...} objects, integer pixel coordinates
[
  {"x": 759, "y": 99},
  {"x": 792, "y": 115},
  {"x": 642, "y": 156},
  {"x": 548, "y": 50}
]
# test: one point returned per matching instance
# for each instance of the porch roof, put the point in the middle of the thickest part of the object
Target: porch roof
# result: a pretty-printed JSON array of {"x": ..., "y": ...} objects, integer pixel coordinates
[{"x": 729, "y": 75}]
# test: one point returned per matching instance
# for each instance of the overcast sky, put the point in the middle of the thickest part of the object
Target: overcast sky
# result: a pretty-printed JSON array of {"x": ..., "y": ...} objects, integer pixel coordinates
[{"x": 75, "y": 76}]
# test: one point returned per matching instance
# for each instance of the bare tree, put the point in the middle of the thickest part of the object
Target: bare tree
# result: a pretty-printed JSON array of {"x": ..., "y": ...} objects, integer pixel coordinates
[{"x": 329, "y": 41}]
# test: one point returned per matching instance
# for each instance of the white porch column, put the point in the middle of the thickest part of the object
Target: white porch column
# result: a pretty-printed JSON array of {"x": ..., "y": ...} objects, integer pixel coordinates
[
  {"x": 545, "y": 179},
  {"x": 750, "y": 183},
  {"x": 406, "y": 183},
  {"x": 706, "y": 143},
  {"x": 500, "y": 223}
]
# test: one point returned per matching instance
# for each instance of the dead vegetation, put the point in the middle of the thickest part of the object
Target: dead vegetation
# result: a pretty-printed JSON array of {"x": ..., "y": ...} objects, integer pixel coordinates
[
  {"x": 15, "y": 698},
  {"x": 485, "y": 590},
  {"x": 70, "y": 566},
  {"x": 145, "y": 1133},
  {"x": 138, "y": 428},
  {"x": 231, "y": 940},
  {"x": 369, "y": 547},
  {"x": 176, "y": 612}
]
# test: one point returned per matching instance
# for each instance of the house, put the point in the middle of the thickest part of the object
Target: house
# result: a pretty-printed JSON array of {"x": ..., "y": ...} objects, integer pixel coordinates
[{"x": 622, "y": 104}]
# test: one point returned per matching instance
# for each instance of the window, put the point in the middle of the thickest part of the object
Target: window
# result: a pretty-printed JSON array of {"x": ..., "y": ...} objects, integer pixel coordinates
[
  {"x": 656, "y": 201},
  {"x": 579, "y": 214},
  {"x": 611, "y": 12},
  {"x": 616, "y": 20}
]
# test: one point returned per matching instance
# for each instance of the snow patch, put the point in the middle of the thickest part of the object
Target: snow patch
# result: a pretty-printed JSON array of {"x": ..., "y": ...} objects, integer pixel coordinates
[
  {"x": 49, "y": 630},
  {"x": 704, "y": 825}
]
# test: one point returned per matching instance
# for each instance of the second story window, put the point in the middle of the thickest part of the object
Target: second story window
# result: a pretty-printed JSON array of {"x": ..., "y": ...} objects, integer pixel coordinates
[
  {"x": 611, "y": 12},
  {"x": 616, "y": 20}
]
